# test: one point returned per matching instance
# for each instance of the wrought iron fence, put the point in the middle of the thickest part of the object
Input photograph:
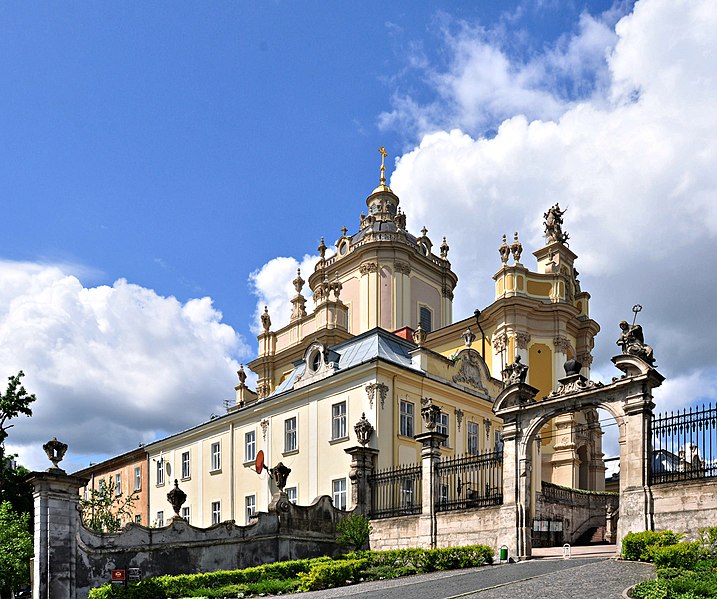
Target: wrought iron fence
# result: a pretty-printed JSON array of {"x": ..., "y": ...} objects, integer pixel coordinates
[
  {"x": 396, "y": 491},
  {"x": 684, "y": 445},
  {"x": 470, "y": 481}
]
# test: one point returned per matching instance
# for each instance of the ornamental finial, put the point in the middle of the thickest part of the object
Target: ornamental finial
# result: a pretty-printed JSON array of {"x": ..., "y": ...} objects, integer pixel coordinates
[{"x": 382, "y": 151}]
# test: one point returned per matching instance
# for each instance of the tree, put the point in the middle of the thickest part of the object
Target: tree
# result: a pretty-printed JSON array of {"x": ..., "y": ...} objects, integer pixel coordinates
[
  {"x": 104, "y": 510},
  {"x": 15, "y": 549},
  {"x": 353, "y": 531},
  {"x": 14, "y": 402}
]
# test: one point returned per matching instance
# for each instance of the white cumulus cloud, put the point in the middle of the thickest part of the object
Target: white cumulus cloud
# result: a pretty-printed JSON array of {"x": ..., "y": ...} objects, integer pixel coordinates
[
  {"x": 111, "y": 366},
  {"x": 634, "y": 163}
]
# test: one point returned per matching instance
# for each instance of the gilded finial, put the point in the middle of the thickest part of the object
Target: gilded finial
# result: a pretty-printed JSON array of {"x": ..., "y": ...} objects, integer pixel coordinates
[{"x": 384, "y": 153}]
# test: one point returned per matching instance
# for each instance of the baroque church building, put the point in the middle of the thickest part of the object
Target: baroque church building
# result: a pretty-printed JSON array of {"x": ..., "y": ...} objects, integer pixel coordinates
[{"x": 378, "y": 345}]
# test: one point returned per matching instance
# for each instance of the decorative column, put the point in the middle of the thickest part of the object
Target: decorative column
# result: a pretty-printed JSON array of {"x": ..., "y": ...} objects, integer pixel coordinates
[
  {"x": 363, "y": 461},
  {"x": 636, "y": 504},
  {"x": 516, "y": 513},
  {"x": 430, "y": 457},
  {"x": 57, "y": 521}
]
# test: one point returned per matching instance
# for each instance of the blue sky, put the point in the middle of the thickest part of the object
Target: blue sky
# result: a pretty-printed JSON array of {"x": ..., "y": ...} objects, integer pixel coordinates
[{"x": 163, "y": 150}]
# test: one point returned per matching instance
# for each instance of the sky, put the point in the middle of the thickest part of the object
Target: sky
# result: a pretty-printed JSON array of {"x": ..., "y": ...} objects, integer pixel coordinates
[{"x": 166, "y": 167}]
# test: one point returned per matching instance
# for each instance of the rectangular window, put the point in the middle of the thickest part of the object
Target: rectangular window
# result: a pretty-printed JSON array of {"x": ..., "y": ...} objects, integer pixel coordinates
[
  {"x": 291, "y": 494},
  {"x": 185, "y": 465},
  {"x": 250, "y": 503},
  {"x": 425, "y": 317},
  {"x": 407, "y": 494},
  {"x": 118, "y": 485},
  {"x": 290, "y": 439},
  {"x": 138, "y": 519},
  {"x": 216, "y": 512},
  {"x": 338, "y": 420},
  {"x": 160, "y": 471},
  {"x": 443, "y": 495},
  {"x": 102, "y": 484},
  {"x": 160, "y": 519},
  {"x": 406, "y": 423},
  {"x": 137, "y": 478},
  {"x": 250, "y": 446},
  {"x": 498, "y": 442},
  {"x": 339, "y": 493},
  {"x": 185, "y": 514},
  {"x": 442, "y": 427},
  {"x": 216, "y": 456},
  {"x": 472, "y": 429}
]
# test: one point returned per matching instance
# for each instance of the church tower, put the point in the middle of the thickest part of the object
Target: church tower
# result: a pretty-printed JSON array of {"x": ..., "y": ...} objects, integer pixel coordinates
[{"x": 381, "y": 276}]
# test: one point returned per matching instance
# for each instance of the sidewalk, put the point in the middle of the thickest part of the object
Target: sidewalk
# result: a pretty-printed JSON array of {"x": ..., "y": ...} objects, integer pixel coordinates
[{"x": 605, "y": 551}]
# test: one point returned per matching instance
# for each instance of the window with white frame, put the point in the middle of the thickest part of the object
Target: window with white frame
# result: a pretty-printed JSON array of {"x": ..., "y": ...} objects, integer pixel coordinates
[
  {"x": 137, "y": 478},
  {"x": 442, "y": 427},
  {"x": 290, "y": 435},
  {"x": 443, "y": 495},
  {"x": 185, "y": 465},
  {"x": 250, "y": 503},
  {"x": 406, "y": 419},
  {"x": 472, "y": 433},
  {"x": 338, "y": 420},
  {"x": 160, "y": 519},
  {"x": 118, "y": 484},
  {"x": 250, "y": 446},
  {"x": 407, "y": 494},
  {"x": 216, "y": 512},
  {"x": 339, "y": 493},
  {"x": 216, "y": 456},
  {"x": 425, "y": 318},
  {"x": 498, "y": 442},
  {"x": 160, "y": 472},
  {"x": 185, "y": 514},
  {"x": 291, "y": 494}
]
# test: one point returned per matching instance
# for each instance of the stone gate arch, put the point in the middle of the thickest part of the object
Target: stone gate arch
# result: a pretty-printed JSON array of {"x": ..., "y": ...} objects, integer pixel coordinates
[{"x": 628, "y": 398}]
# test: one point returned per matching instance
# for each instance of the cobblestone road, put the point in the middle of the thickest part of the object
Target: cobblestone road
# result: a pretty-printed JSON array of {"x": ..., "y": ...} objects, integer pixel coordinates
[{"x": 595, "y": 578}]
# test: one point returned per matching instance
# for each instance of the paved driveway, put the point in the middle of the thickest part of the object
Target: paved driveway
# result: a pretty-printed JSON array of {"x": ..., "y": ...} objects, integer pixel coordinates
[{"x": 582, "y": 578}]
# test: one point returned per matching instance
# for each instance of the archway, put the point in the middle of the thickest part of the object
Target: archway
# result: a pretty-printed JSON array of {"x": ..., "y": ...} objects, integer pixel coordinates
[{"x": 628, "y": 399}]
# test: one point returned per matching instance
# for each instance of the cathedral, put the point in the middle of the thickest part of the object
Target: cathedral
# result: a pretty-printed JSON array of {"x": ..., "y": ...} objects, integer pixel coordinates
[{"x": 375, "y": 344}]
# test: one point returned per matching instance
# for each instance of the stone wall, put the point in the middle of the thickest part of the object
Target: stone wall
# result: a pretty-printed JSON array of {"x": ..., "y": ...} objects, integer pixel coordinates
[
  {"x": 289, "y": 532},
  {"x": 464, "y": 527},
  {"x": 685, "y": 506}
]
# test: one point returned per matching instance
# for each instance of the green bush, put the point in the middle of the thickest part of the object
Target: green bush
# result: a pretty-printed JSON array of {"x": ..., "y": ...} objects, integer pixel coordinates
[
  {"x": 683, "y": 555},
  {"x": 708, "y": 539},
  {"x": 331, "y": 574},
  {"x": 289, "y": 576},
  {"x": 640, "y": 545},
  {"x": 353, "y": 531}
]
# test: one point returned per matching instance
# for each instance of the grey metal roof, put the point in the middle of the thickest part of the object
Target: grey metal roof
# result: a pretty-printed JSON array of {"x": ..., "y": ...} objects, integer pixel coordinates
[{"x": 372, "y": 345}]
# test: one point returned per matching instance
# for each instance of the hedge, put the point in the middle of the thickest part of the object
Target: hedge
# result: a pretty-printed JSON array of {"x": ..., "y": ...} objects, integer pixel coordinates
[{"x": 312, "y": 574}]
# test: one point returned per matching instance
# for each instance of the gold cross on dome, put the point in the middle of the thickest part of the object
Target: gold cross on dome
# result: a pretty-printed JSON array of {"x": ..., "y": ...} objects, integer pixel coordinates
[{"x": 384, "y": 153}]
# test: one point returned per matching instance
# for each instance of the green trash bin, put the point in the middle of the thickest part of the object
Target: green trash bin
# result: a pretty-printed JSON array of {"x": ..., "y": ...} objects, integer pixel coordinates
[{"x": 503, "y": 553}]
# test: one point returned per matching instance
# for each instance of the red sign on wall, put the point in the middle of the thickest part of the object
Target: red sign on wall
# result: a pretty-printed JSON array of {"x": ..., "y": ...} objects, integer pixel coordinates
[{"x": 118, "y": 575}]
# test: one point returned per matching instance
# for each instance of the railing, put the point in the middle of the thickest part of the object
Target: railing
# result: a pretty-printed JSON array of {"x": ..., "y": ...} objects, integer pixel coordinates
[
  {"x": 470, "y": 481},
  {"x": 684, "y": 445},
  {"x": 396, "y": 491},
  {"x": 577, "y": 497}
]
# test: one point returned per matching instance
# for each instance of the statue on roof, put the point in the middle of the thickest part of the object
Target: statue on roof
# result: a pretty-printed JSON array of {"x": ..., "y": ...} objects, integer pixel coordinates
[
  {"x": 632, "y": 342},
  {"x": 554, "y": 225},
  {"x": 515, "y": 372}
]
